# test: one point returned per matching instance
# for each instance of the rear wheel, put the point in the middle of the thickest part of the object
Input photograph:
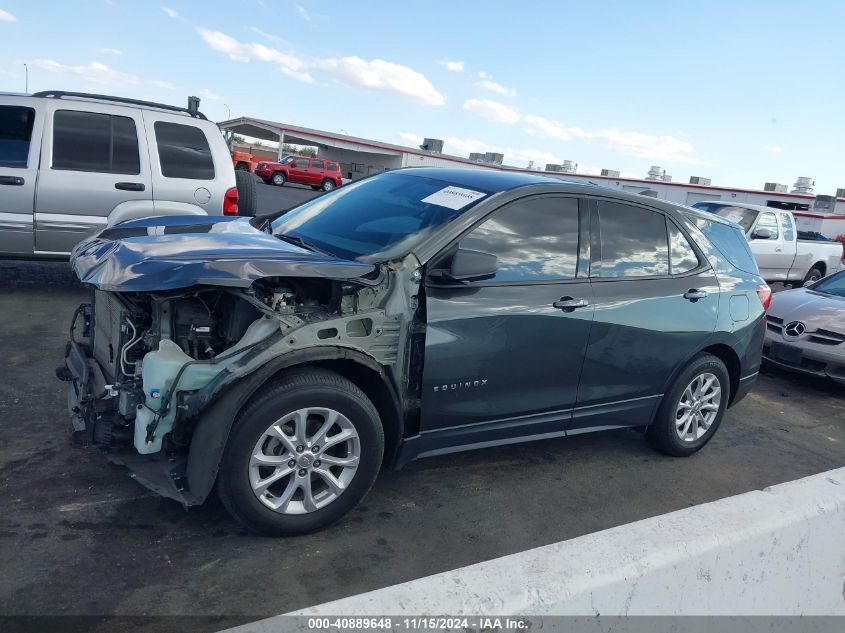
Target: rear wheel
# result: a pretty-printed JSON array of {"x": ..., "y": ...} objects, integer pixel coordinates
[
  {"x": 247, "y": 200},
  {"x": 814, "y": 275},
  {"x": 692, "y": 409},
  {"x": 301, "y": 454},
  {"x": 328, "y": 185},
  {"x": 279, "y": 179}
]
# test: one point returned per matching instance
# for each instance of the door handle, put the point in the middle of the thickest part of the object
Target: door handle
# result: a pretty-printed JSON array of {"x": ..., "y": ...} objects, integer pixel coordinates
[
  {"x": 14, "y": 181},
  {"x": 694, "y": 295},
  {"x": 778, "y": 250},
  {"x": 568, "y": 304},
  {"x": 129, "y": 186}
]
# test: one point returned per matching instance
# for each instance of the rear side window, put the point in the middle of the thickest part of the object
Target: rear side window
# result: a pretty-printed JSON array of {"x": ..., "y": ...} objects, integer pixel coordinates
[
  {"x": 786, "y": 224},
  {"x": 633, "y": 241},
  {"x": 534, "y": 240},
  {"x": 92, "y": 141},
  {"x": 15, "y": 134},
  {"x": 682, "y": 257},
  {"x": 332, "y": 167},
  {"x": 183, "y": 151},
  {"x": 317, "y": 164},
  {"x": 730, "y": 242}
]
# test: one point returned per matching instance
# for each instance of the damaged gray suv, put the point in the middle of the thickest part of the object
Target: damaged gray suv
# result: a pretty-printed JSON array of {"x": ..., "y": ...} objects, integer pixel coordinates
[{"x": 414, "y": 313}]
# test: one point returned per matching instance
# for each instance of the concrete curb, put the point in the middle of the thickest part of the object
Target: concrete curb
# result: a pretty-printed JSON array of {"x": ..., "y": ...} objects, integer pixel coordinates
[{"x": 778, "y": 551}]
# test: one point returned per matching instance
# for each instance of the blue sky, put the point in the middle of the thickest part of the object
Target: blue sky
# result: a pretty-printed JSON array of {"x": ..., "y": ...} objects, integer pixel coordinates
[{"x": 741, "y": 92}]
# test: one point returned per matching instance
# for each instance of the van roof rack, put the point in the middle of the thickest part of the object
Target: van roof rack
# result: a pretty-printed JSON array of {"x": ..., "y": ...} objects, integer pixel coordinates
[{"x": 60, "y": 94}]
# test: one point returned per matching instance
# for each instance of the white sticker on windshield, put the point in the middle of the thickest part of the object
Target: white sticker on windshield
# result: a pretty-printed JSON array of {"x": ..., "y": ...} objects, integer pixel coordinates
[{"x": 453, "y": 197}]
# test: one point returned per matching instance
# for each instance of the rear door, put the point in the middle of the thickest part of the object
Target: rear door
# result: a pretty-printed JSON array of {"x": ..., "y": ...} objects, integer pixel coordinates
[
  {"x": 21, "y": 122},
  {"x": 656, "y": 302},
  {"x": 318, "y": 171},
  {"x": 499, "y": 351},
  {"x": 774, "y": 258},
  {"x": 93, "y": 160}
]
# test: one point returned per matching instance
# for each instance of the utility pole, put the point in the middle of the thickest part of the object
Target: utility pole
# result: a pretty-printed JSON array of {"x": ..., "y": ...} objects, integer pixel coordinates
[
  {"x": 26, "y": 73},
  {"x": 228, "y": 111}
]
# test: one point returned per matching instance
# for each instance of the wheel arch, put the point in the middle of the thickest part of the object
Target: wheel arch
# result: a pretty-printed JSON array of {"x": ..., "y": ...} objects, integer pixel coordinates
[
  {"x": 730, "y": 358},
  {"x": 211, "y": 433}
]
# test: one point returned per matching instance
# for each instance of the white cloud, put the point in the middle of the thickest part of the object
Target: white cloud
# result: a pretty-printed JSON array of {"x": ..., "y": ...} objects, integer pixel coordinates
[
  {"x": 98, "y": 73},
  {"x": 110, "y": 51},
  {"x": 5, "y": 16},
  {"x": 170, "y": 12},
  {"x": 376, "y": 74},
  {"x": 464, "y": 146},
  {"x": 455, "y": 67},
  {"x": 483, "y": 75},
  {"x": 303, "y": 13},
  {"x": 774, "y": 149},
  {"x": 496, "y": 87},
  {"x": 492, "y": 111},
  {"x": 205, "y": 93},
  {"x": 541, "y": 126},
  {"x": 641, "y": 145},
  {"x": 269, "y": 36}
]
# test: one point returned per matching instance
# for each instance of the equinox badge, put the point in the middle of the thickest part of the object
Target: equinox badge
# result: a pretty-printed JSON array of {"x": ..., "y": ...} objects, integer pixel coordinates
[{"x": 464, "y": 384}]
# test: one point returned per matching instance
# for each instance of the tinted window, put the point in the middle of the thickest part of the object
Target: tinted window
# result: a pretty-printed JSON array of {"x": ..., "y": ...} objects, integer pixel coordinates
[
  {"x": 788, "y": 230},
  {"x": 833, "y": 285},
  {"x": 534, "y": 240},
  {"x": 633, "y": 241},
  {"x": 744, "y": 217},
  {"x": 301, "y": 162},
  {"x": 730, "y": 242},
  {"x": 332, "y": 167},
  {"x": 769, "y": 222},
  {"x": 90, "y": 141},
  {"x": 682, "y": 257},
  {"x": 376, "y": 218},
  {"x": 317, "y": 164},
  {"x": 710, "y": 207},
  {"x": 15, "y": 133},
  {"x": 183, "y": 151}
]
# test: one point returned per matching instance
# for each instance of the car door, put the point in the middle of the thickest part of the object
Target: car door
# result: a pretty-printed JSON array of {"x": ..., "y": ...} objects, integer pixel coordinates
[
  {"x": 21, "y": 122},
  {"x": 299, "y": 171},
  {"x": 656, "y": 301},
  {"x": 94, "y": 160},
  {"x": 317, "y": 172},
  {"x": 503, "y": 355},
  {"x": 774, "y": 258}
]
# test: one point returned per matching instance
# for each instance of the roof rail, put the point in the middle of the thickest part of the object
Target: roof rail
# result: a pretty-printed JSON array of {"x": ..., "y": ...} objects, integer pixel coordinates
[{"x": 59, "y": 94}]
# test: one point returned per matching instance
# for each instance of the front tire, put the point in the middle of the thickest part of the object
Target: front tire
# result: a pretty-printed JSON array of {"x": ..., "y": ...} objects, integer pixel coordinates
[
  {"x": 301, "y": 454},
  {"x": 692, "y": 409},
  {"x": 279, "y": 179},
  {"x": 813, "y": 276}
]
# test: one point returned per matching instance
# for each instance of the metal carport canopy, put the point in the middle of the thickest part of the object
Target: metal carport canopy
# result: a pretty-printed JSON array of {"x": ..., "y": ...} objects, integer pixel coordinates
[{"x": 272, "y": 131}]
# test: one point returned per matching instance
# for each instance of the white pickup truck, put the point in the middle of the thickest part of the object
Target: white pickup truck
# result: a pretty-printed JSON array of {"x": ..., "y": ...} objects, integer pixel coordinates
[{"x": 780, "y": 254}]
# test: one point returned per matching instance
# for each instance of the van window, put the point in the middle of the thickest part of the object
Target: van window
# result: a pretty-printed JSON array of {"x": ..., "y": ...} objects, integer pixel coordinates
[
  {"x": 91, "y": 141},
  {"x": 15, "y": 134},
  {"x": 633, "y": 241},
  {"x": 183, "y": 151}
]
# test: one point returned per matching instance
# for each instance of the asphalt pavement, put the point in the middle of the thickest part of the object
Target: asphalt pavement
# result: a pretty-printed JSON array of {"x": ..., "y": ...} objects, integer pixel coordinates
[
  {"x": 272, "y": 199},
  {"x": 79, "y": 537}
]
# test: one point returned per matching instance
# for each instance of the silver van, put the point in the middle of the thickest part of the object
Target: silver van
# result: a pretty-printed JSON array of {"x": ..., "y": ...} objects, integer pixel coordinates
[{"x": 73, "y": 163}]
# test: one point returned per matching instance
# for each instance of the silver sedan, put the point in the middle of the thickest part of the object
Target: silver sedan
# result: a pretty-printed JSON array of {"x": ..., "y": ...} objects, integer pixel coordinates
[{"x": 806, "y": 329}]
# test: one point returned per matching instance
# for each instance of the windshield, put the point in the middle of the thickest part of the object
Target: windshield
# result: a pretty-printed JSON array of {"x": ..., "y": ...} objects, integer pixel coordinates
[
  {"x": 377, "y": 218},
  {"x": 833, "y": 285},
  {"x": 744, "y": 217}
]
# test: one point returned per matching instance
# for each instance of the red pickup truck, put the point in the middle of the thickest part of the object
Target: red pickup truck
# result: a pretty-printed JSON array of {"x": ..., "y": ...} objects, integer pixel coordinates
[{"x": 317, "y": 172}]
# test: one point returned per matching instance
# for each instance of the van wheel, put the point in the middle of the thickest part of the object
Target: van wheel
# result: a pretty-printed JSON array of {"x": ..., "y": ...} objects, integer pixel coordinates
[
  {"x": 328, "y": 185},
  {"x": 301, "y": 454},
  {"x": 279, "y": 179},
  {"x": 692, "y": 409},
  {"x": 814, "y": 275}
]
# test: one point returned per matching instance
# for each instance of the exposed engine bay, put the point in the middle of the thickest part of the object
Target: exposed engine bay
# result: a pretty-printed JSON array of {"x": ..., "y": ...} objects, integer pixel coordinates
[{"x": 138, "y": 359}]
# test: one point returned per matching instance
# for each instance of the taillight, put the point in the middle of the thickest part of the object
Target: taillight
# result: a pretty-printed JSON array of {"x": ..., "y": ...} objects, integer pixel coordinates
[
  {"x": 230, "y": 202},
  {"x": 765, "y": 294}
]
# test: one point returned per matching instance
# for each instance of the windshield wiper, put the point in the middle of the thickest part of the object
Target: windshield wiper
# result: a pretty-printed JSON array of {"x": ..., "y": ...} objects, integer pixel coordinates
[{"x": 298, "y": 241}]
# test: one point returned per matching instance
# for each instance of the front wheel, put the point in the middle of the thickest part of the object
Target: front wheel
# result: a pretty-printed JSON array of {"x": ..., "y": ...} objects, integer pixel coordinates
[
  {"x": 813, "y": 276},
  {"x": 279, "y": 179},
  {"x": 328, "y": 185},
  {"x": 692, "y": 409},
  {"x": 301, "y": 454}
]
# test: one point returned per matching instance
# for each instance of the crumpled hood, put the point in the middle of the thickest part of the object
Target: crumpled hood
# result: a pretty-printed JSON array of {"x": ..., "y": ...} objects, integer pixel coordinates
[
  {"x": 817, "y": 310},
  {"x": 165, "y": 253}
]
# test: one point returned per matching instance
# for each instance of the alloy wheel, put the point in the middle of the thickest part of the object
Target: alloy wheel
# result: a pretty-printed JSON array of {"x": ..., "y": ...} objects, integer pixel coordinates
[{"x": 698, "y": 407}]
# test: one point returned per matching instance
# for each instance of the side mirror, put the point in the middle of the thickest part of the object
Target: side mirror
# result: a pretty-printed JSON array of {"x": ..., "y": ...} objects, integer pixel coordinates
[
  {"x": 761, "y": 234},
  {"x": 468, "y": 265}
]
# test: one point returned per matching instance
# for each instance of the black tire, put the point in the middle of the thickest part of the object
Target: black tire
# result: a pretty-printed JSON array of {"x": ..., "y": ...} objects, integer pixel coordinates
[
  {"x": 267, "y": 181},
  {"x": 327, "y": 185},
  {"x": 315, "y": 187},
  {"x": 813, "y": 275},
  {"x": 279, "y": 179},
  {"x": 247, "y": 199},
  {"x": 298, "y": 389},
  {"x": 242, "y": 167},
  {"x": 662, "y": 433}
]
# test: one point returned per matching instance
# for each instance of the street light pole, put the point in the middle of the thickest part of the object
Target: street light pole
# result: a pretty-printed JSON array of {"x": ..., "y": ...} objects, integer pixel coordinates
[
  {"x": 228, "y": 111},
  {"x": 26, "y": 73}
]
